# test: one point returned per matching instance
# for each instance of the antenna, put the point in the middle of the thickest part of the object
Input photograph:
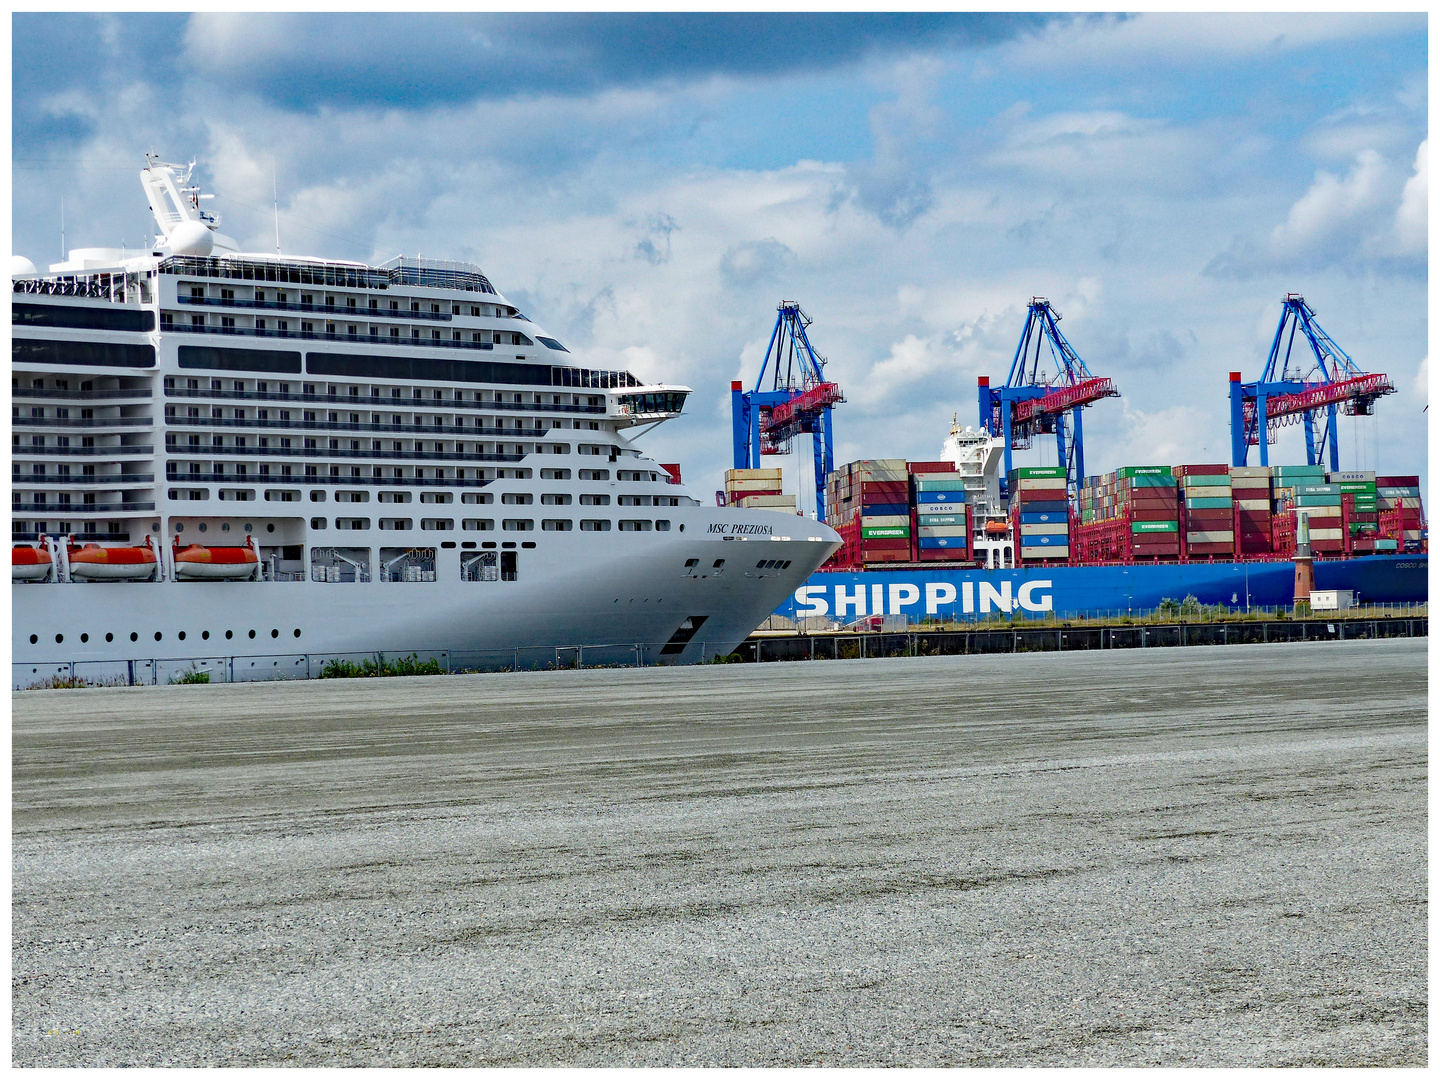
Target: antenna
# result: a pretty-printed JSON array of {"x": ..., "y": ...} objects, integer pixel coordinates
[
  {"x": 62, "y": 228},
  {"x": 275, "y": 189}
]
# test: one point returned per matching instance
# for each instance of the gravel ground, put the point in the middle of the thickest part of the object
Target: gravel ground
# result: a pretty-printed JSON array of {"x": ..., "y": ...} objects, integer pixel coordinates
[{"x": 1187, "y": 856}]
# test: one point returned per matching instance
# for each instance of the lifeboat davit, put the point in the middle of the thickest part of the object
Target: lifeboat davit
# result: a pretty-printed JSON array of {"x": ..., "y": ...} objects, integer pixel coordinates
[
  {"x": 200, "y": 563},
  {"x": 92, "y": 562},
  {"x": 30, "y": 563}
]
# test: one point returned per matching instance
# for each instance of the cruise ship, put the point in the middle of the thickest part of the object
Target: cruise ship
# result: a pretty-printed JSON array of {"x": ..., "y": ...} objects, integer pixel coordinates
[{"x": 228, "y": 454}]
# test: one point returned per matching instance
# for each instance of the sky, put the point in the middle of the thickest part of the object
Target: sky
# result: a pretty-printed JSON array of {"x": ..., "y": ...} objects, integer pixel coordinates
[{"x": 648, "y": 187}]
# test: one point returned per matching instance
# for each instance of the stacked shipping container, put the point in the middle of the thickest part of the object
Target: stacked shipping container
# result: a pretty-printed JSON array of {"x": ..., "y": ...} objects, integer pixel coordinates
[
  {"x": 872, "y": 497},
  {"x": 941, "y": 515},
  {"x": 1207, "y": 511},
  {"x": 1398, "y": 499},
  {"x": 756, "y": 488},
  {"x": 1040, "y": 512},
  {"x": 1250, "y": 489},
  {"x": 1128, "y": 514}
]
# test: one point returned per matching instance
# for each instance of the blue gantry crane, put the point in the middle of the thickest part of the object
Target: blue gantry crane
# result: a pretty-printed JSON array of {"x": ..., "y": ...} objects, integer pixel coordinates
[
  {"x": 800, "y": 400},
  {"x": 1308, "y": 386},
  {"x": 1034, "y": 400}
]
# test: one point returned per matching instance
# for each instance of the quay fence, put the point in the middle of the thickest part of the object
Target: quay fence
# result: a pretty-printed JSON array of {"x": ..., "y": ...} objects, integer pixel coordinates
[{"x": 295, "y": 666}]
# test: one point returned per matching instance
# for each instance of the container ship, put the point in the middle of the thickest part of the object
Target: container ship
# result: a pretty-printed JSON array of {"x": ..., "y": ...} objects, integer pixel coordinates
[
  {"x": 957, "y": 538},
  {"x": 220, "y": 453}
]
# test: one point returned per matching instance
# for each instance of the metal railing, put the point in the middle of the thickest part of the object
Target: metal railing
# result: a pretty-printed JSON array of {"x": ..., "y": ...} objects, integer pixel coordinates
[{"x": 154, "y": 671}]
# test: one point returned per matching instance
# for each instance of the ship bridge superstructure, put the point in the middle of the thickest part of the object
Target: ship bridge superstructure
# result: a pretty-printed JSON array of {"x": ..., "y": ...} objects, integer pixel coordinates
[{"x": 199, "y": 393}]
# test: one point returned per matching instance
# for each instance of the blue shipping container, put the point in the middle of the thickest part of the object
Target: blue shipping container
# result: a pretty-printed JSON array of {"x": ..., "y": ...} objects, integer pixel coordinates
[
  {"x": 885, "y": 509},
  {"x": 1056, "y": 506},
  {"x": 939, "y": 497},
  {"x": 1027, "y": 518},
  {"x": 1048, "y": 540},
  {"x": 934, "y": 543}
]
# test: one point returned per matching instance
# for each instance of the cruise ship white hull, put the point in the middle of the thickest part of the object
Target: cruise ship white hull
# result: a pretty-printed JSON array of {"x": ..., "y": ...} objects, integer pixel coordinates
[{"x": 634, "y": 592}]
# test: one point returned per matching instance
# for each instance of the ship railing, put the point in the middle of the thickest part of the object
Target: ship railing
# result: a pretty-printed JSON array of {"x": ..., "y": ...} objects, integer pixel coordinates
[
  {"x": 369, "y": 428},
  {"x": 326, "y": 335},
  {"x": 338, "y": 401},
  {"x": 122, "y": 450},
  {"x": 141, "y": 393},
  {"x": 108, "y": 480},
  {"x": 347, "y": 312},
  {"x": 71, "y": 509}
]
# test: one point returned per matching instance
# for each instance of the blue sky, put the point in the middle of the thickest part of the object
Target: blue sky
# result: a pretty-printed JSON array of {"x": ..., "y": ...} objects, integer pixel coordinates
[{"x": 649, "y": 187}]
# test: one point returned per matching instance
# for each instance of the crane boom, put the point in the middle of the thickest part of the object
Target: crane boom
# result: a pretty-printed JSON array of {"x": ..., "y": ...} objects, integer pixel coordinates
[{"x": 1067, "y": 397}]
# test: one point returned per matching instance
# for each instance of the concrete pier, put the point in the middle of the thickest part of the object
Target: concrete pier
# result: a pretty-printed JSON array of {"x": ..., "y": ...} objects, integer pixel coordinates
[{"x": 1177, "y": 856}]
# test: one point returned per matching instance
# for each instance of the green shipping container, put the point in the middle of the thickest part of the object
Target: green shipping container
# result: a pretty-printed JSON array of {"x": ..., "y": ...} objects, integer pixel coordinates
[
  {"x": 1147, "y": 481},
  {"x": 892, "y": 532},
  {"x": 1207, "y": 480},
  {"x": 1354, "y": 488},
  {"x": 1162, "y": 471},
  {"x": 940, "y": 485},
  {"x": 1211, "y": 504},
  {"x": 1317, "y": 500},
  {"x": 941, "y": 519},
  {"x": 1044, "y": 472},
  {"x": 1154, "y": 526}
]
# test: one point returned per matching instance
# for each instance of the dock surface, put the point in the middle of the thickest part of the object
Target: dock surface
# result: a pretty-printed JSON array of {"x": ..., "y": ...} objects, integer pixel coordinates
[{"x": 1179, "y": 856}]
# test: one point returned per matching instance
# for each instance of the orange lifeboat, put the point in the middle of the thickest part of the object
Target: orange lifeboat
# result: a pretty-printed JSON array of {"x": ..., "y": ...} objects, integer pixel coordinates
[
  {"x": 996, "y": 528},
  {"x": 95, "y": 563},
  {"x": 30, "y": 563},
  {"x": 200, "y": 563}
]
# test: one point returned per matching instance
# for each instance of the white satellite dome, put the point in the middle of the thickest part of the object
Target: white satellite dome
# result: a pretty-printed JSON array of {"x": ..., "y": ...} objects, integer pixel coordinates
[
  {"x": 22, "y": 267},
  {"x": 191, "y": 238}
]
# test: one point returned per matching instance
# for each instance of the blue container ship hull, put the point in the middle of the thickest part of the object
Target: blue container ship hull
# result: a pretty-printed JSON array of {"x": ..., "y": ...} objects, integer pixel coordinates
[{"x": 961, "y": 593}]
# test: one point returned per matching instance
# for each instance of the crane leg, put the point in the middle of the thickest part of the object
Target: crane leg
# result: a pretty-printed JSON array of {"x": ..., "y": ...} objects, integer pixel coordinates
[
  {"x": 1077, "y": 439},
  {"x": 1333, "y": 430},
  {"x": 1312, "y": 456},
  {"x": 1062, "y": 452},
  {"x": 1262, "y": 427}
]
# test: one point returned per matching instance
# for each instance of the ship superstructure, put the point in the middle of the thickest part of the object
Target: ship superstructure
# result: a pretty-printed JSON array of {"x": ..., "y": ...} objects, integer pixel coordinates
[{"x": 410, "y": 461}]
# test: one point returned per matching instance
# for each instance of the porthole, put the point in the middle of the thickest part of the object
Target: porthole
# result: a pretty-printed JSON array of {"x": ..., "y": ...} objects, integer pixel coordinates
[
  {"x": 229, "y": 634},
  {"x": 34, "y": 638},
  {"x": 274, "y": 633},
  {"x": 682, "y": 528},
  {"x": 155, "y": 528},
  {"x": 252, "y": 633},
  {"x": 201, "y": 526},
  {"x": 269, "y": 528},
  {"x": 59, "y": 638},
  {"x": 225, "y": 526},
  {"x": 297, "y": 633},
  {"x": 109, "y": 637},
  {"x": 204, "y": 635},
  {"x": 248, "y": 526},
  {"x": 158, "y": 635},
  {"x": 134, "y": 636},
  {"x": 180, "y": 527},
  {"x": 84, "y": 638},
  {"x": 181, "y": 635}
]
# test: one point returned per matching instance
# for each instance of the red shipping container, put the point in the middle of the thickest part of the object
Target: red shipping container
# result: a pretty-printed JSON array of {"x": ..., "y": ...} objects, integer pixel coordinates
[
  {"x": 885, "y": 556},
  {"x": 931, "y": 466},
  {"x": 1201, "y": 470},
  {"x": 889, "y": 544},
  {"x": 1156, "y": 514},
  {"x": 1197, "y": 518},
  {"x": 1155, "y": 549},
  {"x": 1397, "y": 481},
  {"x": 1210, "y": 549},
  {"x": 886, "y": 487},
  {"x": 1153, "y": 495},
  {"x": 1048, "y": 495}
]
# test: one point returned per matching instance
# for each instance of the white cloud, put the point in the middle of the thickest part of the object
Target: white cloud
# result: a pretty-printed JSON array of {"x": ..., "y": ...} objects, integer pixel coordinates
[
  {"x": 1197, "y": 39},
  {"x": 1412, "y": 220},
  {"x": 1421, "y": 385},
  {"x": 1330, "y": 204}
]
